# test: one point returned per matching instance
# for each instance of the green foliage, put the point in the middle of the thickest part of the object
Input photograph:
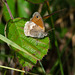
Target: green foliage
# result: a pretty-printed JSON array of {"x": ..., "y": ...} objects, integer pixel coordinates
[
  {"x": 1, "y": 30},
  {"x": 38, "y": 48},
  {"x": 24, "y": 8},
  {"x": 71, "y": 2},
  {"x": 29, "y": 50},
  {"x": 11, "y": 4},
  {"x": 36, "y": 1},
  {"x": 63, "y": 32}
]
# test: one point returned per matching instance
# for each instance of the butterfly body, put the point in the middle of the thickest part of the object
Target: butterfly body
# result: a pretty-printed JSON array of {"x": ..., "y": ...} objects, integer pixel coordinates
[{"x": 35, "y": 27}]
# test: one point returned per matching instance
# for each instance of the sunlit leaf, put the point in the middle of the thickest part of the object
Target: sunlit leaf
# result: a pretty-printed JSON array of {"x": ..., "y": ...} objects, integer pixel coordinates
[{"x": 36, "y": 47}]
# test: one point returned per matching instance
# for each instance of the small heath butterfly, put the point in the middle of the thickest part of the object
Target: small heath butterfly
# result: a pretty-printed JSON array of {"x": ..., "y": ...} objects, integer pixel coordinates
[{"x": 35, "y": 27}]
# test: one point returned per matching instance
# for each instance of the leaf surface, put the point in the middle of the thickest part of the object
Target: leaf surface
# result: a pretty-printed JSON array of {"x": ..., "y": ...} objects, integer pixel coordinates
[{"x": 35, "y": 47}]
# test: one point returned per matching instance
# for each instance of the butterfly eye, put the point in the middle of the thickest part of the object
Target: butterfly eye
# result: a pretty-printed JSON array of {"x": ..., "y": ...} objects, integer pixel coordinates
[{"x": 36, "y": 16}]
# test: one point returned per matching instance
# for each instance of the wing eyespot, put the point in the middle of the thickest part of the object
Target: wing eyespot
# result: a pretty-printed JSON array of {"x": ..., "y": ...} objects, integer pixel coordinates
[{"x": 37, "y": 16}]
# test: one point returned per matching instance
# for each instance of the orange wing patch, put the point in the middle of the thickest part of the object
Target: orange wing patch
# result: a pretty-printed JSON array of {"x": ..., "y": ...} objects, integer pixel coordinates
[{"x": 38, "y": 21}]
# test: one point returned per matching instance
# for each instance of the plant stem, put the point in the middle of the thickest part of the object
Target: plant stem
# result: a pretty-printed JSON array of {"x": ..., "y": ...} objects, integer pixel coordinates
[
  {"x": 16, "y": 70},
  {"x": 12, "y": 68},
  {"x": 56, "y": 63},
  {"x": 42, "y": 67},
  {"x": 56, "y": 44},
  {"x": 8, "y": 9},
  {"x": 59, "y": 58}
]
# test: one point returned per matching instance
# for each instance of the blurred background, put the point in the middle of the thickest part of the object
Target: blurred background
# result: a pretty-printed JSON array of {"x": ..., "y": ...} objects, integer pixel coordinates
[{"x": 64, "y": 23}]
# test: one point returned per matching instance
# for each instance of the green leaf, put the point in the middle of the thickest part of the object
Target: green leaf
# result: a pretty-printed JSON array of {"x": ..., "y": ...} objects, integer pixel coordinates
[
  {"x": 24, "y": 8},
  {"x": 14, "y": 45},
  {"x": 36, "y": 47},
  {"x": 36, "y": 1},
  {"x": 11, "y": 4},
  {"x": 1, "y": 30}
]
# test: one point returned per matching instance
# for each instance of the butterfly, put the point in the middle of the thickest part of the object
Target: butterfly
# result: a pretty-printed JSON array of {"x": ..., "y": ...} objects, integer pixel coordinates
[{"x": 35, "y": 27}]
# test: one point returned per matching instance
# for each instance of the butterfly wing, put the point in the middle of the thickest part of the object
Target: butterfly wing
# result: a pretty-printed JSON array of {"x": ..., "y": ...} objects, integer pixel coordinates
[
  {"x": 33, "y": 30},
  {"x": 37, "y": 19},
  {"x": 35, "y": 27},
  {"x": 36, "y": 31}
]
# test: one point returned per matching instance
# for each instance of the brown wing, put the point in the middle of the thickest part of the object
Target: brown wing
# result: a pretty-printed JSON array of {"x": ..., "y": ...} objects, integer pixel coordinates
[
  {"x": 38, "y": 21},
  {"x": 37, "y": 32}
]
